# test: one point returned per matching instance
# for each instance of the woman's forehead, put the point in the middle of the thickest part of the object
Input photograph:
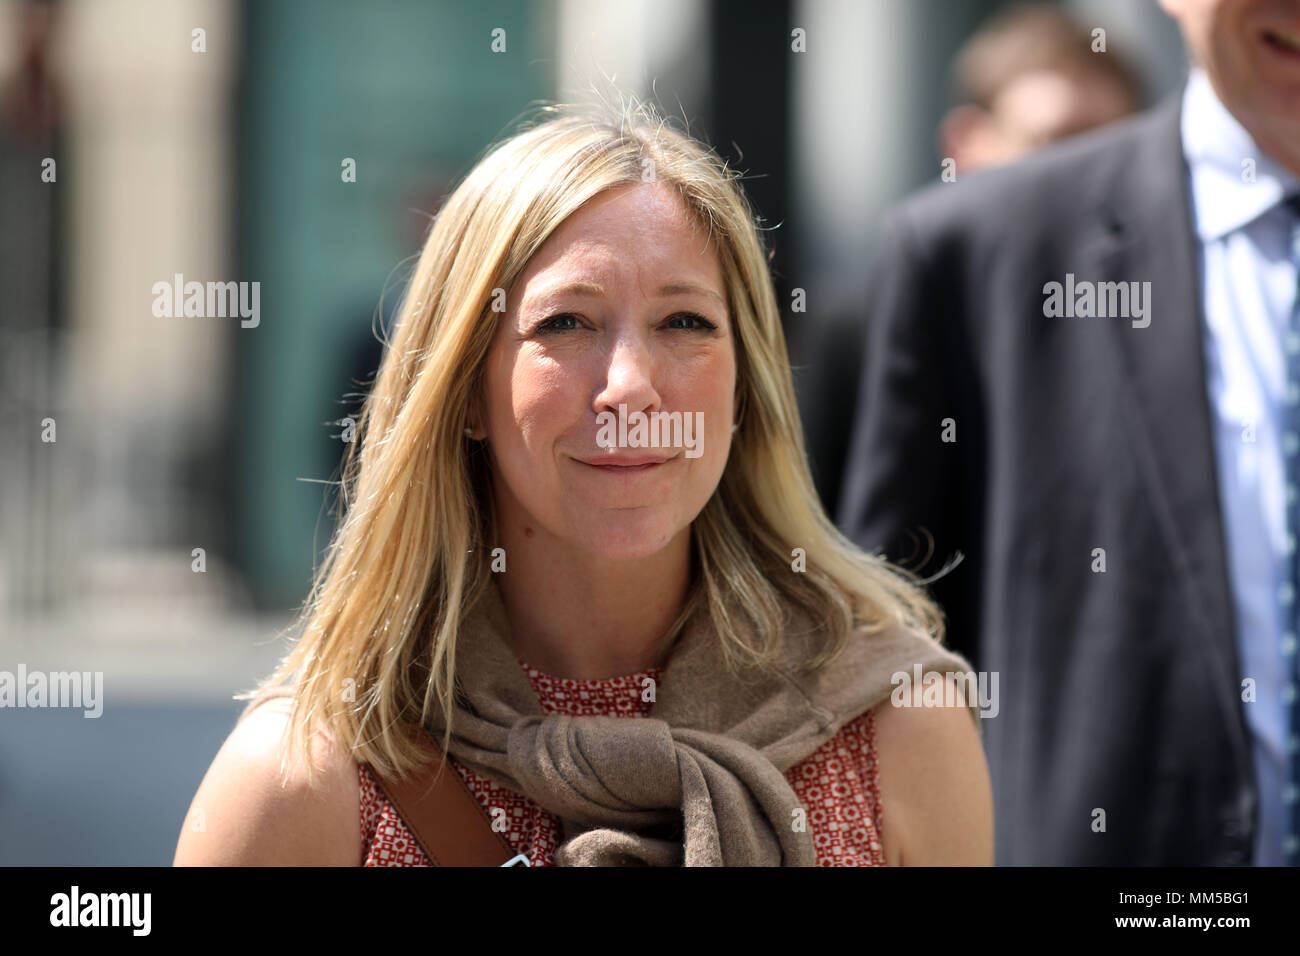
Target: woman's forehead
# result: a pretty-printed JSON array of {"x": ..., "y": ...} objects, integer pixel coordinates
[{"x": 644, "y": 229}]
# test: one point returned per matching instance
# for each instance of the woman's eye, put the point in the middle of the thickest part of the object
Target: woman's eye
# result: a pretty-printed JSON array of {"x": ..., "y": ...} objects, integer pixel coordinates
[
  {"x": 559, "y": 323},
  {"x": 568, "y": 322},
  {"x": 693, "y": 321}
]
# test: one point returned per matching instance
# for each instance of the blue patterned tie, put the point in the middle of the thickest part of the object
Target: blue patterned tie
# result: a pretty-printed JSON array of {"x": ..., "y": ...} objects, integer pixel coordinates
[{"x": 1291, "y": 586}]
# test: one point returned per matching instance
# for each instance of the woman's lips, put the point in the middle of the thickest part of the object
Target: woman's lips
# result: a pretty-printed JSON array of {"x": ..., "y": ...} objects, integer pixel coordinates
[
  {"x": 623, "y": 469},
  {"x": 623, "y": 465}
]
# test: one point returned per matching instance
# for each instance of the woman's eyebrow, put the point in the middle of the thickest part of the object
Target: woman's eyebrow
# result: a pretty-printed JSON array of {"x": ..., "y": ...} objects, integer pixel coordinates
[
  {"x": 571, "y": 288},
  {"x": 687, "y": 288},
  {"x": 592, "y": 289}
]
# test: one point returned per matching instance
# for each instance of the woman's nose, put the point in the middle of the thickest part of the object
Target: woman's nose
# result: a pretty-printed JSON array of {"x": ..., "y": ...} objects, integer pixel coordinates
[{"x": 629, "y": 377}]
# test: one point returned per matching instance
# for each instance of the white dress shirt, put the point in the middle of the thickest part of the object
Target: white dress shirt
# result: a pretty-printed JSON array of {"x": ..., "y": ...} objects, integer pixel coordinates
[{"x": 1248, "y": 288}]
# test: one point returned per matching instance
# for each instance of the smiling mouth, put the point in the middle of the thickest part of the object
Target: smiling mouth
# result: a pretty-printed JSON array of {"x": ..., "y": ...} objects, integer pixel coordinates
[
  {"x": 630, "y": 467},
  {"x": 624, "y": 469}
]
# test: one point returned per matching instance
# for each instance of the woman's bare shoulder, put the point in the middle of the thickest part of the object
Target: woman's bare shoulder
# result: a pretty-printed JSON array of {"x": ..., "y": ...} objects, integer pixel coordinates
[
  {"x": 935, "y": 794},
  {"x": 246, "y": 814}
]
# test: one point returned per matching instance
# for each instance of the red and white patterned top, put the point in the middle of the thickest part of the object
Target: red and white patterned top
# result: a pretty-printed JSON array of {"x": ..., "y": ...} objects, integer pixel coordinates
[{"x": 838, "y": 785}]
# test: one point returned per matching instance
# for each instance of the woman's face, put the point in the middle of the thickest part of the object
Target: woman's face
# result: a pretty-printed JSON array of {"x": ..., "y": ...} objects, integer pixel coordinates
[{"x": 624, "y": 305}]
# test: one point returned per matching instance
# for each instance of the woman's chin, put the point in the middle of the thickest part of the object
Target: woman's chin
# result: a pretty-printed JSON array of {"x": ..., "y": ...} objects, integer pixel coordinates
[{"x": 627, "y": 537}]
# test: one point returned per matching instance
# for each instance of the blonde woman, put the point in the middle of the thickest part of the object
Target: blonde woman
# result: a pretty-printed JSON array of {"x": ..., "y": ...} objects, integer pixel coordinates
[{"x": 630, "y": 652}]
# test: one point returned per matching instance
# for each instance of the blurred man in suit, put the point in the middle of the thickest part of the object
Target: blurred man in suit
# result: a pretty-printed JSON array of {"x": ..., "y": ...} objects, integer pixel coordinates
[
  {"x": 1083, "y": 377},
  {"x": 1025, "y": 79}
]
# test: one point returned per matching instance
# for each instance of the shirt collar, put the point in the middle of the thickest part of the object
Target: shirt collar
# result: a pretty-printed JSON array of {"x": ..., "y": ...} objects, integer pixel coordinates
[{"x": 1215, "y": 146}]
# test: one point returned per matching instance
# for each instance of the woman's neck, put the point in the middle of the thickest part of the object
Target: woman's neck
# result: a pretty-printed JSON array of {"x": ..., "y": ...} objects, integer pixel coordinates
[{"x": 575, "y": 615}]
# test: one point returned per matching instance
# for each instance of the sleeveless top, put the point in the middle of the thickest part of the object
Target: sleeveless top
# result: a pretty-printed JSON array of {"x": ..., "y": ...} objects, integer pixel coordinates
[{"x": 838, "y": 785}]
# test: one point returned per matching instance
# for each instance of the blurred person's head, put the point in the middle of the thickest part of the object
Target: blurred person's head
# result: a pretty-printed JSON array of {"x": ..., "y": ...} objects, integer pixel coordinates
[
  {"x": 485, "y": 414},
  {"x": 1250, "y": 51},
  {"x": 1026, "y": 78}
]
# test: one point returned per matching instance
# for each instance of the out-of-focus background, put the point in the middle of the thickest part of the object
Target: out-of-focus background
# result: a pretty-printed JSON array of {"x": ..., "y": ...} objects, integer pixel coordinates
[{"x": 165, "y": 480}]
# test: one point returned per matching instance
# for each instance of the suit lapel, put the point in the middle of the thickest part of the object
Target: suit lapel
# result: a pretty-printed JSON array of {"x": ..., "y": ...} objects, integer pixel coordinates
[{"x": 1144, "y": 209}]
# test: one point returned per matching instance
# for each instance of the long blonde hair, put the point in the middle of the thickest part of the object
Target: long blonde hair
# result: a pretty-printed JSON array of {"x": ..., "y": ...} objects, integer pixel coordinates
[{"x": 377, "y": 651}]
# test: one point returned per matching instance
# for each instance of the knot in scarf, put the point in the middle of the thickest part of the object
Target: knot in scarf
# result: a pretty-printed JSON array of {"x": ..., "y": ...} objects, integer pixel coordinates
[{"x": 701, "y": 780}]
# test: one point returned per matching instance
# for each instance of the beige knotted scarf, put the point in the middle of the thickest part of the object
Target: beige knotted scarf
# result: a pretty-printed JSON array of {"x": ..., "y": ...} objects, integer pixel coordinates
[{"x": 700, "y": 781}]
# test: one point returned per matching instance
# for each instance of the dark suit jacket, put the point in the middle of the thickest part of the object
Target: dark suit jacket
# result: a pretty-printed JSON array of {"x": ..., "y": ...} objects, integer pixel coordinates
[{"x": 1119, "y": 689}]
